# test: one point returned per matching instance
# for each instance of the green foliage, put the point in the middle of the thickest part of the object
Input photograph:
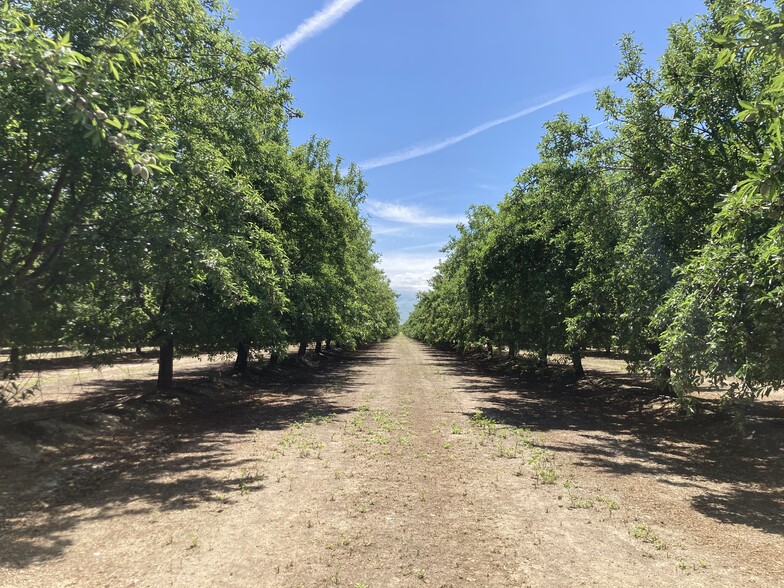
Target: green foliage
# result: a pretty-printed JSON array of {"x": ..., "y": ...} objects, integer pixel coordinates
[
  {"x": 151, "y": 193},
  {"x": 662, "y": 239},
  {"x": 724, "y": 320}
]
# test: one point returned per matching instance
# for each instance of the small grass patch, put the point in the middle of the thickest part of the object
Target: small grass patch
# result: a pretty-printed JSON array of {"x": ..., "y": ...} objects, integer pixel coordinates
[
  {"x": 578, "y": 502},
  {"x": 483, "y": 423},
  {"x": 547, "y": 475},
  {"x": 610, "y": 504},
  {"x": 377, "y": 438},
  {"x": 644, "y": 533}
]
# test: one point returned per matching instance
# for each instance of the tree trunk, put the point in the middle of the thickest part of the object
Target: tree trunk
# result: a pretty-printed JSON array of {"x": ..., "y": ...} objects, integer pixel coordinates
[
  {"x": 512, "y": 351},
  {"x": 663, "y": 375},
  {"x": 542, "y": 358},
  {"x": 577, "y": 361},
  {"x": 490, "y": 349},
  {"x": 318, "y": 347},
  {"x": 241, "y": 363},
  {"x": 663, "y": 384},
  {"x": 303, "y": 347},
  {"x": 166, "y": 364},
  {"x": 329, "y": 344},
  {"x": 15, "y": 359},
  {"x": 139, "y": 349}
]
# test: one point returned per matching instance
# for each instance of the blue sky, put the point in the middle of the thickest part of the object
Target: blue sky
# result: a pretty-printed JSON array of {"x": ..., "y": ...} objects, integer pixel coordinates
[{"x": 442, "y": 101}]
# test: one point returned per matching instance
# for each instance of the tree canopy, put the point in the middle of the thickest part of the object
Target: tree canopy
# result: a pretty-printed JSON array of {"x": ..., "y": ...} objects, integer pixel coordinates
[
  {"x": 151, "y": 194},
  {"x": 660, "y": 237}
]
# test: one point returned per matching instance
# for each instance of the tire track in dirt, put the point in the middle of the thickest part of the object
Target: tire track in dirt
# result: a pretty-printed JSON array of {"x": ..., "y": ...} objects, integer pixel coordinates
[{"x": 389, "y": 475}]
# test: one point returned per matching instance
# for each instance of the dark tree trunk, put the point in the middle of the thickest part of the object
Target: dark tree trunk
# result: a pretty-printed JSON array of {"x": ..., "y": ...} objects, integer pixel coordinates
[
  {"x": 15, "y": 359},
  {"x": 166, "y": 365},
  {"x": 577, "y": 361},
  {"x": 318, "y": 347},
  {"x": 543, "y": 358},
  {"x": 490, "y": 349},
  {"x": 139, "y": 349},
  {"x": 512, "y": 351},
  {"x": 241, "y": 363},
  {"x": 663, "y": 384},
  {"x": 329, "y": 344},
  {"x": 303, "y": 347},
  {"x": 663, "y": 375}
]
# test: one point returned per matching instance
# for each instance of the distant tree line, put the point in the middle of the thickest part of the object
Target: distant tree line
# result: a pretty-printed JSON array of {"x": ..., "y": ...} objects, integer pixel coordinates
[
  {"x": 150, "y": 195},
  {"x": 662, "y": 238}
]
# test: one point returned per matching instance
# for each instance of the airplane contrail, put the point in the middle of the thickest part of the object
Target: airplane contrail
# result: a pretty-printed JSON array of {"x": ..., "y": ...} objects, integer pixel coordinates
[
  {"x": 428, "y": 148},
  {"x": 320, "y": 21}
]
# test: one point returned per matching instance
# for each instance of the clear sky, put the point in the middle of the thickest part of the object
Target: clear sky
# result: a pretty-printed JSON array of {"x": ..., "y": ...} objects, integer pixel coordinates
[{"x": 442, "y": 101}]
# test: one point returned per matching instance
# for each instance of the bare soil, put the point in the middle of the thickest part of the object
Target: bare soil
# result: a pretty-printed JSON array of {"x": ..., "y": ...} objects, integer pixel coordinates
[{"x": 397, "y": 465}]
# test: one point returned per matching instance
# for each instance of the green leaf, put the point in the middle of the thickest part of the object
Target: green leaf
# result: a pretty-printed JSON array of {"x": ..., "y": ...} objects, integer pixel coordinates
[{"x": 723, "y": 58}]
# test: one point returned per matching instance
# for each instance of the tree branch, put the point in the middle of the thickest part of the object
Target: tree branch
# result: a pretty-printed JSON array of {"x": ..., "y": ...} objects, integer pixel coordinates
[{"x": 43, "y": 225}]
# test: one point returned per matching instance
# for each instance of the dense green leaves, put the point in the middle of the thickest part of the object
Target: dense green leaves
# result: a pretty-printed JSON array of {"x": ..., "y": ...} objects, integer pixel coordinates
[
  {"x": 724, "y": 319},
  {"x": 151, "y": 195},
  {"x": 662, "y": 239}
]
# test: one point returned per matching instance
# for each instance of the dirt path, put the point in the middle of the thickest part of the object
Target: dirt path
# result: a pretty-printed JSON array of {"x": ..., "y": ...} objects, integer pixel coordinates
[{"x": 406, "y": 467}]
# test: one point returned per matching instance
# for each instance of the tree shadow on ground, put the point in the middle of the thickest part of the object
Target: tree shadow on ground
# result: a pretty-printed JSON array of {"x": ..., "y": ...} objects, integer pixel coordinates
[
  {"x": 152, "y": 453},
  {"x": 67, "y": 360},
  {"x": 624, "y": 427}
]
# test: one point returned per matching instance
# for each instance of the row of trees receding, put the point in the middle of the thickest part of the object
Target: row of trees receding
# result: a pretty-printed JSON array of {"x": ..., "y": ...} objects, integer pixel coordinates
[
  {"x": 662, "y": 238},
  {"x": 150, "y": 194}
]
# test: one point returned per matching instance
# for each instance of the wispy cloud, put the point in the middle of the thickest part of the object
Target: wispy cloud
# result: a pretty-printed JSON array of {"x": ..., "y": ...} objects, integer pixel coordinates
[
  {"x": 436, "y": 246},
  {"x": 382, "y": 230},
  {"x": 492, "y": 187},
  {"x": 409, "y": 272},
  {"x": 320, "y": 21},
  {"x": 428, "y": 148},
  {"x": 409, "y": 215}
]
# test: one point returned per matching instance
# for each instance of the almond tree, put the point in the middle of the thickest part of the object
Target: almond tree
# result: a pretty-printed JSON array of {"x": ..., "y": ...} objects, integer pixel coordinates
[
  {"x": 71, "y": 127},
  {"x": 724, "y": 319}
]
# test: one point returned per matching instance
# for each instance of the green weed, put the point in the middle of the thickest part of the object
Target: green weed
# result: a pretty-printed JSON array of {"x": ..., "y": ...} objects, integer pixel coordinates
[
  {"x": 578, "y": 502},
  {"x": 547, "y": 475},
  {"x": 646, "y": 535},
  {"x": 484, "y": 423}
]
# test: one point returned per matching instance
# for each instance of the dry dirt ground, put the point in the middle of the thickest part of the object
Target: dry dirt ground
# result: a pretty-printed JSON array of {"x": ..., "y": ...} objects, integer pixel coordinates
[{"x": 397, "y": 465}]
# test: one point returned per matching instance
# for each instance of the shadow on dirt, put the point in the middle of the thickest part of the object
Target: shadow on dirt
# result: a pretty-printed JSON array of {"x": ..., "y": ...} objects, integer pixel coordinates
[
  {"x": 625, "y": 428},
  {"x": 151, "y": 453},
  {"x": 68, "y": 360}
]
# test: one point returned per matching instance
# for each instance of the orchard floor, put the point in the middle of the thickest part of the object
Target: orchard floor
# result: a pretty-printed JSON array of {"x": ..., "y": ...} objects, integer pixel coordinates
[{"x": 397, "y": 465}]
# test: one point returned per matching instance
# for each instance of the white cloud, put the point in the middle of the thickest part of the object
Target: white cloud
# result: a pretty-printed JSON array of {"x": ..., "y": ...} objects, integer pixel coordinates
[
  {"x": 437, "y": 246},
  {"x": 320, "y": 21},
  {"x": 382, "y": 230},
  {"x": 492, "y": 188},
  {"x": 428, "y": 148},
  {"x": 410, "y": 215},
  {"x": 409, "y": 272}
]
